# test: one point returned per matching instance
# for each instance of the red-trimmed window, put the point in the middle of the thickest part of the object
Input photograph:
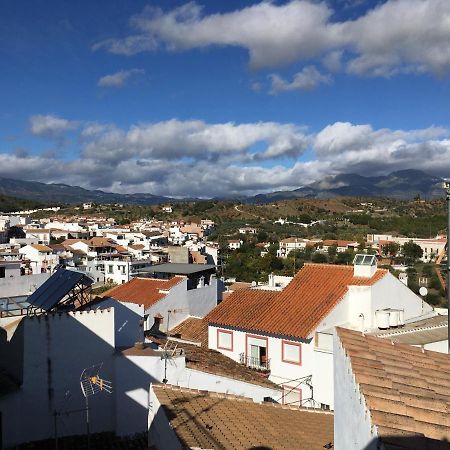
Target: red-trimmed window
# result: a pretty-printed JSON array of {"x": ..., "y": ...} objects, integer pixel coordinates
[
  {"x": 292, "y": 396},
  {"x": 291, "y": 352},
  {"x": 225, "y": 340}
]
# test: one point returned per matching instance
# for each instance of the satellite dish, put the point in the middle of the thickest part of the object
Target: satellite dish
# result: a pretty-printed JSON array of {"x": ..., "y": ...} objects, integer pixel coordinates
[{"x": 423, "y": 291}]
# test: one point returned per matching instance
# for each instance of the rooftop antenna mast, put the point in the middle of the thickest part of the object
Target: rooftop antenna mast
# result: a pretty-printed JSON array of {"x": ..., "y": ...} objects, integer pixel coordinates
[
  {"x": 446, "y": 186},
  {"x": 92, "y": 384}
]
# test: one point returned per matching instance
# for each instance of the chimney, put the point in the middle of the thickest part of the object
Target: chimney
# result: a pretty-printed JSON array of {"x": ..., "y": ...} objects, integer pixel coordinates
[{"x": 364, "y": 266}]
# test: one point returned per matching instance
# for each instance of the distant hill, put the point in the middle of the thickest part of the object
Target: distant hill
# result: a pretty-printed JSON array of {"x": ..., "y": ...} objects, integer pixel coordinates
[
  {"x": 11, "y": 204},
  {"x": 63, "y": 193},
  {"x": 403, "y": 184}
]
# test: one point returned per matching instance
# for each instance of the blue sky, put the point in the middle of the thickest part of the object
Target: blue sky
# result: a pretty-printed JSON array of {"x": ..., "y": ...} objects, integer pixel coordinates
[{"x": 223, "y": 97}]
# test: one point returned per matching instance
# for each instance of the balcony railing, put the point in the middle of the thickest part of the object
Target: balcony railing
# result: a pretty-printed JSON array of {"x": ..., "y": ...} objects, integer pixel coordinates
[{"x": 255, "y": 363}]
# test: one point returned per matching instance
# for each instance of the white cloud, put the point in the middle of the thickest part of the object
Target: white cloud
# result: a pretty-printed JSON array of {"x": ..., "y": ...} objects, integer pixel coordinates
[
  {"x": 50, "y": 126},
  {"x": 119, "y": 79},
  {"x": 197, "y": 140},
  {"x": 195, "y": 158},
  {"x": 309, "y": 78},
  {"x": 396, "y": 36}
]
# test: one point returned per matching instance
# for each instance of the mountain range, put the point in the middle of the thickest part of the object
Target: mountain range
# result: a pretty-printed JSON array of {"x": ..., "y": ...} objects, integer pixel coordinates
[{"x": 404, "y": 184}]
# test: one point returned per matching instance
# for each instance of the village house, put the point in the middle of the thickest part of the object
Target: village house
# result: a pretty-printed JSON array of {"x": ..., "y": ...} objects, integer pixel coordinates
[
  {"x": 42, "y": 235},
  {"x": 288, "y": 335},
  {"x": 431, "y": 248},
  {"x": 340, "y": 245},
  {"x": 247, "y": 230},
  {"x": 40, "y": 258},
  {"x": 293, "y": 243},
  {"x": 235, "y": 244}
]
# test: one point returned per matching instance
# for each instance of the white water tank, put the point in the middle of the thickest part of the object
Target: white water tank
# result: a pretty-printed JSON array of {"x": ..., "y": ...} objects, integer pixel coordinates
[
  {"x": 401, "y": 318},
  {"x": 382, "y": 319},
  {"x": 394, "y": 318}
]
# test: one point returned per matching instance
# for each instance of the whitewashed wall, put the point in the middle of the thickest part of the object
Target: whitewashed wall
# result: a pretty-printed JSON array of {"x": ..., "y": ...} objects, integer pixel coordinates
[
  {"x": 161, "y": 434},
  {"x": 282, "y": 373},
  {"x": 127, "y": 317},
  {"x": 15, "y": 286},
  {"x": 352, "y": 425},
  {"x": 133, "y": 376},
  {"x": 55, "y": 350},
  {"x": 195, "y": 302},
  {"x": 389, "y": 292},
  {"x": 195, "y": 379}
]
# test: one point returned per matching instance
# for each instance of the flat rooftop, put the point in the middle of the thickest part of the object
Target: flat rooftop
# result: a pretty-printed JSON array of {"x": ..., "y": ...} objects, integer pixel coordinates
[{"x": 178, "y": 268}]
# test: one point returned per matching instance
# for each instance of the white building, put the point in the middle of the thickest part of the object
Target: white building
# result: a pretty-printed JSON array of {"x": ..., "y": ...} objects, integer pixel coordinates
[
  {"x": 289, "y": 334},
  {"x": 41, "y": 234},
  {"x": 289, "y": 244},
  {"x": 234, "y": 244},
  {"x": 431, "y": 248},
  {"x": 159, "y": 296},
  {"x": 40, "y": 257}
]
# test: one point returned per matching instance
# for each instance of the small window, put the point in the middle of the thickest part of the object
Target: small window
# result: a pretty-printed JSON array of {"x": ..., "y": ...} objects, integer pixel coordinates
[
  {"x": 2, "y": 272},
  {"x": 291, "y": 352},
  {"x": 224, "y": 340}
]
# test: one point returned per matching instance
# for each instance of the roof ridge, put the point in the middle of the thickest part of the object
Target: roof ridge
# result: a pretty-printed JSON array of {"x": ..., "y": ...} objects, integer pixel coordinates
[{"x": 226, "y": 395}]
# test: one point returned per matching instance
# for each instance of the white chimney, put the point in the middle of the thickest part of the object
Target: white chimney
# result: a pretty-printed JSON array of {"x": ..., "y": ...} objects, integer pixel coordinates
[{"x": 364, "y": 266}]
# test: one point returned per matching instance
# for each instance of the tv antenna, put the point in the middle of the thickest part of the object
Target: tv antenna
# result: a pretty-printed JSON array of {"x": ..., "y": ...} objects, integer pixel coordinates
[{"x": 91, "y": 383}]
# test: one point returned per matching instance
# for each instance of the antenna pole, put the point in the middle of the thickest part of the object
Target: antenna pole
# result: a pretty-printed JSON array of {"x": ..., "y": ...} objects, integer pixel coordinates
[
  {"x": 87, "y": 424},
  {"x": 446, "y": 187},
  {"x": 55, "y": 414},
  {"x": 447, "y": 191}
]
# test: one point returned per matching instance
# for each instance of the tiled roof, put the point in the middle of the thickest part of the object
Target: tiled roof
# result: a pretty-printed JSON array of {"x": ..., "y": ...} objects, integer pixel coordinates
[
  {"x": 192, "y": 329},
  {"x": 244, "y": 308},
  {"x": 137, "y": 246},
  {"x": 221, "y": 421},
  {"x": 239, "y": 285},
  {"x": 295, "y": 311},
  {"x": 406, "y": 389},
  {"x": 41, "y": 248},
  {"x": 330, "y": 242},
  {"x": 142, "y": 291},
  {"x": 214, "y": 362},
  {"x": 100, "y": 242}
]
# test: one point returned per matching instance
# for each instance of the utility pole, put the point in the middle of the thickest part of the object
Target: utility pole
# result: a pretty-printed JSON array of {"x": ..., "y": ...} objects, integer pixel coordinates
[{"x": 446, "y": 186}]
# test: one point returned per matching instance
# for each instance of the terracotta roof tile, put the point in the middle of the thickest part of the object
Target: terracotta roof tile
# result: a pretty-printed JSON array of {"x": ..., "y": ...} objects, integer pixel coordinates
[
  {"x": 214, "y": 362},
  {"x": 407, "y": 391},
  {"x": 143, "y": 291},
  {"x": 221, "y": 421},
  {"x": 295, "y": 311},
  {"x": 41, "y": 248},
  {"x": 192, "y": 329}
]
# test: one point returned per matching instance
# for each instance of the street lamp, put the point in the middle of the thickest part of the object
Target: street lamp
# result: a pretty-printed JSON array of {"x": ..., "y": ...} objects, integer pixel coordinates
[{"x": 446, "y": 186}]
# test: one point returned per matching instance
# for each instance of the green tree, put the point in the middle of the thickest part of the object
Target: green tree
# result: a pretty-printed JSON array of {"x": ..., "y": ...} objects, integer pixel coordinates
[
  {"x": 390, "y": 249},
  {"x": 332, "y": 251},
  {"x": 412, "y": 251},
  {"x": 319, "y": 258}
]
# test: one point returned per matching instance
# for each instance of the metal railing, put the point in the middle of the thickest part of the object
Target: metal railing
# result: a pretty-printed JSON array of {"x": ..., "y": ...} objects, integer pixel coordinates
[{"x": 255, "y": 363}]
